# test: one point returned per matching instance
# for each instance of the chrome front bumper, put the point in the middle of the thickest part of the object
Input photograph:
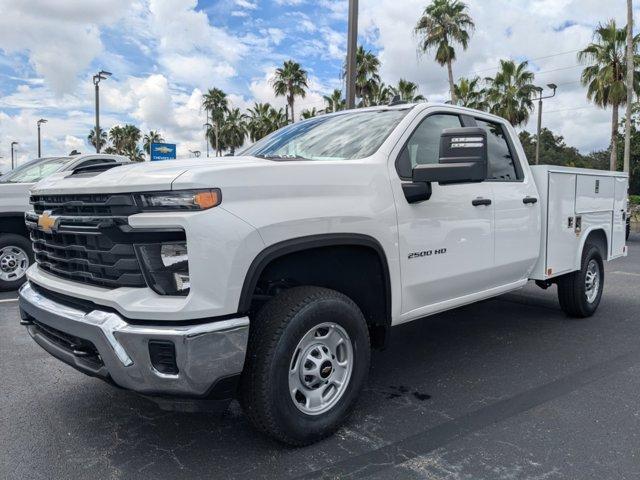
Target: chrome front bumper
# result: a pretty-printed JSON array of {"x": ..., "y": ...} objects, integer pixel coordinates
[{"x": 205, "y": 353}]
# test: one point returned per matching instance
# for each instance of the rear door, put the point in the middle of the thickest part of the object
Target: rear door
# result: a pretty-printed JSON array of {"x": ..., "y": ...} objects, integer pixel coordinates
[
  {"x": 516, "y": 207},
  {"x": 445, "y": 243}
]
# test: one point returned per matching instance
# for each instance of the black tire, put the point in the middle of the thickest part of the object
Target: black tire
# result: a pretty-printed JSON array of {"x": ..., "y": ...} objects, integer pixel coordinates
[
  {"x": 13, "y": 240},
  {"x": 572, "y": 291},
  {"x": 274, "y": 336}
]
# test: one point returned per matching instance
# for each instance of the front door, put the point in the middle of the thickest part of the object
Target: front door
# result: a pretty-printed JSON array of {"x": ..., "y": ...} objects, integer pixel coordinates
[{"x": 445, "y": 243}]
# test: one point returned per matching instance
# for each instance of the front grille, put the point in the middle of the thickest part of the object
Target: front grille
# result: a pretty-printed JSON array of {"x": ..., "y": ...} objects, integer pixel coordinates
[
  {"x": 78, "y": 347},
  {"x": 86, "y": 204},
  {"x": 88, "y": 258},
  {"x": 88, "y": 243},
  {"x": 91, "y": 241}
]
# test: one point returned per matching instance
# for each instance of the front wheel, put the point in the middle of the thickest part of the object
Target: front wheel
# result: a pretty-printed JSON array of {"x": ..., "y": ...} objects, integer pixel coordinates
[
  {"x": 15, "y": 258},
  {"x": 580, "y": 292},
  {"x": 307, "y": 361}
]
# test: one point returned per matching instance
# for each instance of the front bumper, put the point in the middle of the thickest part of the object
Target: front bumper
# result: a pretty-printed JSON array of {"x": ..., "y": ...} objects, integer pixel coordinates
[{"x": 101, "y": 343}]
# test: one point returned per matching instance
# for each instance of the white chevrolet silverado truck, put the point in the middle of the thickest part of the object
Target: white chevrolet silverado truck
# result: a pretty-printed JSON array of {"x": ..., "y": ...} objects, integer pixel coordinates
[
  {"x": 15, "y": 247},
  {"x": 270, "y": 276}
]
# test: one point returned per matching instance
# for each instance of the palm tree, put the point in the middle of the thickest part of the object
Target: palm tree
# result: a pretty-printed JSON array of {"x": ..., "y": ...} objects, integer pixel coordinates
[
  {"x": 276, "y": 119},
  {"x": 233, "y": 130},
  {"x": 604, "y": 75},
  {"x": 290, "y": 81},
  {"x": 117, "y": 138},
  {"x": 509, "y": 93},
  {"x": 379, "y": 94},
  {"x": 132, "y": 136},
  {"x": 309, "y": 113},
  {"x": 443, "y": 23},
  {"x": 367, "y": 76},
  {"x": 215, "y": 103},
  {"x": 469, "y": 94},
  {"x": 408, "y": 91},
  {"x": 334, "y": 102},
  {"x": 256, "y": 120},
  {"x": 92, "y": 138},
  {"x": 149, "y": 139},
  {"x": 134, "y": 153}
]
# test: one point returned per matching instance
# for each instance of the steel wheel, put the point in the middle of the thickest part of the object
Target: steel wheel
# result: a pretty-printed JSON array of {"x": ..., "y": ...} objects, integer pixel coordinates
[
  {"x": 592, "y": 281},
  {"x": 320, "y": 368},
  {"x": 13, "y": 263}
]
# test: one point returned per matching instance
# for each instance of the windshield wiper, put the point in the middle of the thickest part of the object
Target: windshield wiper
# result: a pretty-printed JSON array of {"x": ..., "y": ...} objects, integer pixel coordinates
[{"x": 282, "y": 157}]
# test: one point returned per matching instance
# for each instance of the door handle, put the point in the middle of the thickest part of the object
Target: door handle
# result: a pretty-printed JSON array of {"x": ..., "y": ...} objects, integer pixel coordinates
[
  {"x": 481, "y": 201},
  {"x": 529, "y": 200}
]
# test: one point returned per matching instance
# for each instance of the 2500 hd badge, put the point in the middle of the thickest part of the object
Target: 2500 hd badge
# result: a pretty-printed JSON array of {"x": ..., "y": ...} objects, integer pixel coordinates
[{"x": 427, "y": 253}]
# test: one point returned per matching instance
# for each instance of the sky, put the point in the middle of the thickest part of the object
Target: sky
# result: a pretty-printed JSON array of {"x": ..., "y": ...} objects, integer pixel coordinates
[{"x": 165, "y": 53}]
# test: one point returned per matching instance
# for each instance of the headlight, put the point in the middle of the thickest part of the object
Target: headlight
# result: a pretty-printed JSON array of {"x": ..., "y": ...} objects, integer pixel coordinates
[
  {"x": 179, "y": 200},
  {"x": 166, "y": 267}
]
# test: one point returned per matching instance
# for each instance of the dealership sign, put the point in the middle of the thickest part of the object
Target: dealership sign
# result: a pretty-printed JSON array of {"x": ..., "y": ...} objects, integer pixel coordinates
[{"x": 163, "y": 151}]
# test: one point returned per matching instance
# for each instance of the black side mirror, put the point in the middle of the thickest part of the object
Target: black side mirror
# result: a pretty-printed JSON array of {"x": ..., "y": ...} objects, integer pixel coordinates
[{"x": 463, "y": 158}]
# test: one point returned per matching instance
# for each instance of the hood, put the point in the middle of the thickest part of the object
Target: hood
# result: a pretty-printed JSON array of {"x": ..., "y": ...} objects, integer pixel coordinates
[{"x": 137, "y": 177}]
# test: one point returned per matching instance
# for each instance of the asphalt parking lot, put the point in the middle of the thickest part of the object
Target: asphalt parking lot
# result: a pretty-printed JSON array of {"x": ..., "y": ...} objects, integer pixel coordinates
[{"x": 509, "y": 388}]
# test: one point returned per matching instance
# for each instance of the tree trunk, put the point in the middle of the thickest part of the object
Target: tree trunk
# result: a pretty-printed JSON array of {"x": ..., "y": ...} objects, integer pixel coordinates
[
  {"x": 630, "y": 52},
  {"x": 293, "y": 117},
  {"x": 217, "y": 139},
  {"x": 451, "y": 89},
  {"x": 614, "y": 144}
]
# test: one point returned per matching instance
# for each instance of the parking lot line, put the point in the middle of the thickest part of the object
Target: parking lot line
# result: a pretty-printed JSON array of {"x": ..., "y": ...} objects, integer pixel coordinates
[
  {"x": 7, "y": 300},
  {"x": 617, "y": 272}
]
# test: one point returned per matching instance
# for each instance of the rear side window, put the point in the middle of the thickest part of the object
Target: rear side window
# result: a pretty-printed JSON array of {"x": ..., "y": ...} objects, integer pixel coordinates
[
  {"x": 501, "y": 162},
  {"x": 424, "y": 145}
]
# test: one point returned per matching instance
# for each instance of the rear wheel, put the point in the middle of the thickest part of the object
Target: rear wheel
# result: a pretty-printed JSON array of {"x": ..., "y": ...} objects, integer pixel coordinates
[
  {"x": 15, "y": 258},
  {"x": 580, "y": 292},
  {"x": 307, "y": 361}
]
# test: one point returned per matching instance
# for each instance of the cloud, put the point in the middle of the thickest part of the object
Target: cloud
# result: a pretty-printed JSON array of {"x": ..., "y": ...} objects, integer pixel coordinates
[
  {"x": 62, "y": 38},
  {"x": 246, "y": 4}
]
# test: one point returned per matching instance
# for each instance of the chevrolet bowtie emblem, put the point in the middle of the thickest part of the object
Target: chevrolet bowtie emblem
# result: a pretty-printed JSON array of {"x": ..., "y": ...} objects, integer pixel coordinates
[{"x": 46, "y": 222}]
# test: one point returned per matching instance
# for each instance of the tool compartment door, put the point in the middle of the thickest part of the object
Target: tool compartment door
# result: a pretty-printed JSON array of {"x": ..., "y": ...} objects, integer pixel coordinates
[
  {"x": 562, "y": 241},
  {"x": 594, "y": 193}
]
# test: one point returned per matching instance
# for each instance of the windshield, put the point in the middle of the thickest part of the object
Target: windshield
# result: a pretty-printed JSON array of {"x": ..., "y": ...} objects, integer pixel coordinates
[
  {"x": 344, "y": 136},
  {"x": 35, "y": 170}
]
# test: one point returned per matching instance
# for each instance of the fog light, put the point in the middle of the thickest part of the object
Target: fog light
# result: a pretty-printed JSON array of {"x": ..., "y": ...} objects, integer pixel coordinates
[
  {"x": 166, "y": 267},
  {"x": 163, "y": 356}
]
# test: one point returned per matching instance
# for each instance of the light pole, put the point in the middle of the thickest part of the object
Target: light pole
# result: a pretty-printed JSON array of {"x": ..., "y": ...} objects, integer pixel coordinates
[
  {"x": 553, "y": 87},
  {"x": 207, "y": 126},
  {"x": 13, "y": 144},
  {"x": 352, "y": 46},
  {"x": 40, "y": 122},
  {"x": 101, "y": 75}
]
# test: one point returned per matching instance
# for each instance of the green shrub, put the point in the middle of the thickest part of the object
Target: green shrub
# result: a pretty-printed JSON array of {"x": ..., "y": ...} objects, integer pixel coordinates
[{"x": 634, "y": 199}]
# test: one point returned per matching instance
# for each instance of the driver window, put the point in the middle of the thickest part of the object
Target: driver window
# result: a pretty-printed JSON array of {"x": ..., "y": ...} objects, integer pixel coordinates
[{"x": 424, "y": 145}]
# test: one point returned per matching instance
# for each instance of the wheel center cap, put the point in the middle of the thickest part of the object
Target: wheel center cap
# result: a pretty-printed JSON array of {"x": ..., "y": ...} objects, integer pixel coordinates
[{"x": 325, "y": 369}]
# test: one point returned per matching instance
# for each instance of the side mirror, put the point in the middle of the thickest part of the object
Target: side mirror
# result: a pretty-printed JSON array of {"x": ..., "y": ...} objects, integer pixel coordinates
[{"x": 463, "y": 158}]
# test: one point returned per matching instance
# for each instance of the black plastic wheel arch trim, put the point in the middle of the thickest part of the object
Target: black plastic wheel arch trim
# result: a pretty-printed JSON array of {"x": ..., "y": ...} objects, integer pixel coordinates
[{"x": 299, "y": 244}]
